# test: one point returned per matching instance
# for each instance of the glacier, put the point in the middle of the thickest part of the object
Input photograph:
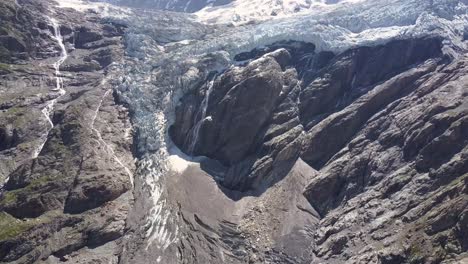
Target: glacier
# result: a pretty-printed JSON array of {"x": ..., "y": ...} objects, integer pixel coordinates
[{"x": 169, "y": 54}]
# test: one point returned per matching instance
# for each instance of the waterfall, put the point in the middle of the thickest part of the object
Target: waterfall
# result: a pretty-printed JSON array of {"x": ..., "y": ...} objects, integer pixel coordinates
[
  {"x": 202, "y": 111},
  {"x": 49, "y": 108},
  {"x": 2, "y": 185},
  {"x": 108, "y": 148},
  {"x": 63, "y": 56}
]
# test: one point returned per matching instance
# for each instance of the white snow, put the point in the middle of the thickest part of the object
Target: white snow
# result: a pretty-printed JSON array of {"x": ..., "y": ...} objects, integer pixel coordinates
[
  {"x": 159, "y": 215},
  {"x": 244, "y": 11},
  {"x": 80, "y": 5},
  {"x": 3, "y": 184},
  {"x": 177, "y": 163},
  {"x": 337, "y": 27},
  {"x": 104, "y": 9}
]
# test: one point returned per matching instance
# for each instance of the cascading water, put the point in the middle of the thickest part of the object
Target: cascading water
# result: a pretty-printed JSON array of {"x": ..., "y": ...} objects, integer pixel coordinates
[
  {"x": 108, "y": 148},
  {"x": 48, "y": 109},
  {"x": 2, "y": 186},
  {"x": 63, "y": 56},
  {"x": 192, "y": 140}
]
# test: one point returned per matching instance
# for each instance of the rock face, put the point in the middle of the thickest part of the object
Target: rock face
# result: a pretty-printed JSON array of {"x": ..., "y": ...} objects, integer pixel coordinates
[
  {"x": 252, "y": 117},
  {"x": 384, "y": 126},
  {"x": 234, "y": 110},
  {"x": 66, "y": 165},
  {"x": 280, "y": 154}
]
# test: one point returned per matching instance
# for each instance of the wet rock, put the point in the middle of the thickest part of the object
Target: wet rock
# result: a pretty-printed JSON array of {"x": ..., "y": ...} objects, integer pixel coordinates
[
  {"x": 389, "y": 143},
  {"x": 354, "y": 72}
]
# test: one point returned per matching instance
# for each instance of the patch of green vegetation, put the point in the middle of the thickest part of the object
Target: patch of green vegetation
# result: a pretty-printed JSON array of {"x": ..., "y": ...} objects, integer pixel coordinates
[
  {"x": 20, "y": 121},
  {"x": 14, "y": 111},
  {"x": 440, "y": 254},
  {"x": 11, "y": 227},
  {"x": 458, "y": 181},
  {"x": 41, "y": 181},
  {"x": 7, "y": 9},
  {"x": 5, "y": 67},
  {"x": 25, "y": 147},
  {"x": 58, "y": 149},
  {"x": 10, "y": 30},
  {"x": 20, "y": 117},
  {"x": 9, "y": 198}
]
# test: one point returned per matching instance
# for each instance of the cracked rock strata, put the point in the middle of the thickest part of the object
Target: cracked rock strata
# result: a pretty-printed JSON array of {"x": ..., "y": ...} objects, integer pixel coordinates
[{"x": 69, "y": 203}]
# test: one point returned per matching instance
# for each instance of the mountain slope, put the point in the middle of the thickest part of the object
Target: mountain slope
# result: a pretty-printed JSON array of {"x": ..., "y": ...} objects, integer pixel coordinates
[{"x": 326, "y": 132}]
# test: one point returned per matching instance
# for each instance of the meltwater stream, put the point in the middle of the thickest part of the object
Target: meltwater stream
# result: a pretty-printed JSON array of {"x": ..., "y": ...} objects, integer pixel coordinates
[
  {"x": 203, "y": 108},
  {"x": 102, "y": 142},
  {"x": 48, "y": 109}
]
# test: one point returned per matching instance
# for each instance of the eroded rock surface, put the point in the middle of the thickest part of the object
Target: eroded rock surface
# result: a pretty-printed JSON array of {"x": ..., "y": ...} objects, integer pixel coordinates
[
  {"x": 66, "y": 167},
  {"x": 384, "y": 126},
  {"x": 292, "y": 154}
]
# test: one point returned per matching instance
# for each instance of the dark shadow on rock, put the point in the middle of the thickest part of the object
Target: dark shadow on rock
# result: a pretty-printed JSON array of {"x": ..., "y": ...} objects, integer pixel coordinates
[{"x": 256, "y": 120}]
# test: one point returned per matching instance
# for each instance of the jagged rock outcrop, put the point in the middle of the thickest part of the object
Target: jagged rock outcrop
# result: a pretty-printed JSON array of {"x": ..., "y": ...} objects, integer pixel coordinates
[
  {"x": 268, "y": 127},
  {"x": 393, "y": 136},
  {"x": 234, "y": 111},
  {"x": 392, "y": 169}
]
